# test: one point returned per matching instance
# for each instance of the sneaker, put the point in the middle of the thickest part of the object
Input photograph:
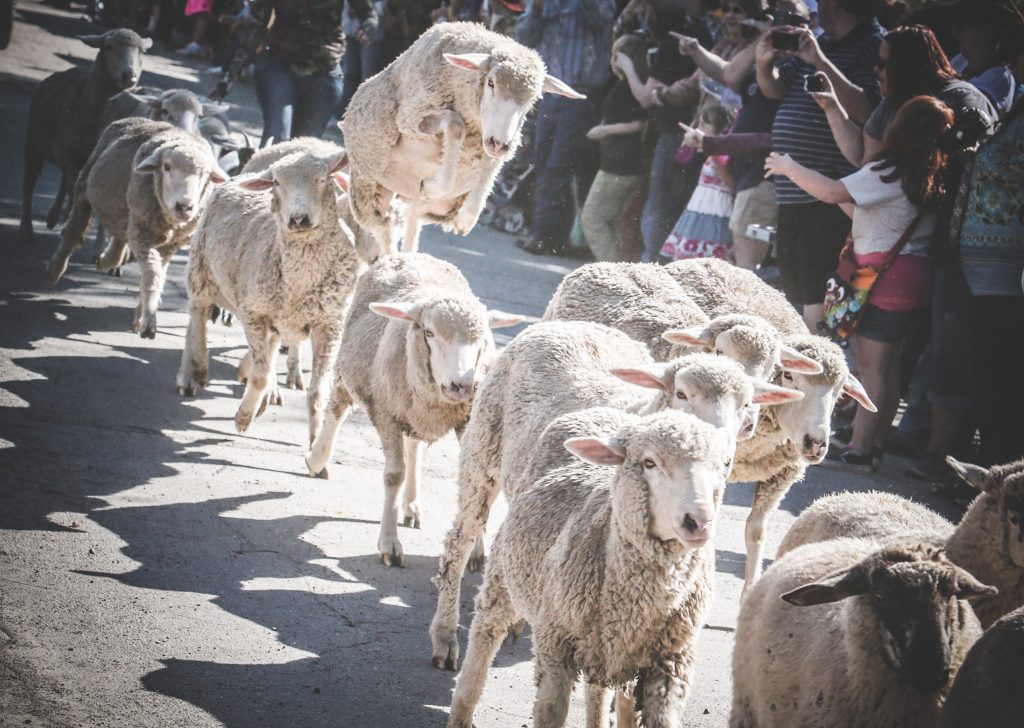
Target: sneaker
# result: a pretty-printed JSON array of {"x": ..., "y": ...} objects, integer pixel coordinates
[
  {"x": 853, "y": 461},
  {"x": 930, "y": 467},
  {"x": 192, "y": 50}
]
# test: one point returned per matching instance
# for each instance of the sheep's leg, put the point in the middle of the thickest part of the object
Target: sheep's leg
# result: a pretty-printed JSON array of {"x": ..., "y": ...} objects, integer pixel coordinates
[
  {"x": 113, "y": 256},
  {"x": 294, "y": 379},
  {"x": 320, "y": 453},
  {"x": 767, "y": 496},
  {"x": 473, "y": 204},
  {"x": 71, "y": 237},
  {"x": 244, "y": 370},
  {"x": 411, "y": 236},
  {"x": 194, "y": 372},
  {"x": 664, "y": 695},
  {"x": 33, "y": 167},
  {"x": 325, "y": 343},
  {"x": 493, "y": 615},
  {"x": 153, "y": 267},
  {"x": 625, "y": 710},
  {"x": 263, "y": 347},
  {"x": 388, "y": 545},
  {"x": 53, "y": 216},
  {"x": 597, "y": 706},
  {"x": 554, "y": 680},
  {"x": 476, "y": 494},
  {"x": 410, "y": 495},
  {"x": 371, "y": 206},
  {"x": 453, "y": 131}
]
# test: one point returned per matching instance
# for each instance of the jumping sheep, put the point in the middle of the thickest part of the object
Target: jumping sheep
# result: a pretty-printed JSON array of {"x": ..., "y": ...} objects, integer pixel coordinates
[
  {"x": 147, "y": 182},
  {"x": 891, "y": 630},
  {"x": 989, "y": 686},
  {"x": 614, "y": 570},
  {"x": 551, "y": 369},
  {"x": 415, "y": 345},
  {"x": 988, "y": 542},
  {"x": 283, "y": 265},
  {"x": 64, "y": 115},
  {"x": 434, "y": 127}
]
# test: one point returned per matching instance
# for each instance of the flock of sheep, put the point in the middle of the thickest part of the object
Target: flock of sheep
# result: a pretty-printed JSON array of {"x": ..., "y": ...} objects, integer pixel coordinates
[{"x": 612, "y": 427}]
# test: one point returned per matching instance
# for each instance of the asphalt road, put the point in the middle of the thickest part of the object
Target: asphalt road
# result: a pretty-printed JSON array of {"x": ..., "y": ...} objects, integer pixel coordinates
[{"x": 159, "y": 569}]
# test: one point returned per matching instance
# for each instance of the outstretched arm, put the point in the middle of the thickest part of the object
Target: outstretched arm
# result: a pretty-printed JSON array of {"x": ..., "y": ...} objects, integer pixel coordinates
[{"x": 813, "y": 183}]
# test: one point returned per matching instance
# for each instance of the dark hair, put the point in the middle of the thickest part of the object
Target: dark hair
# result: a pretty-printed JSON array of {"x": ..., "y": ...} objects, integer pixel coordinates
[
  {"x": 634, "y": 46},
  {"x": 917, "y": 64},
  {"x": 1006, "y": 22},
  {"x": 892, "y": 12},
  {"x": 718, "y": 116},
  {"x": 911, "y": 149},
  {"x": 861, "y": 8}
]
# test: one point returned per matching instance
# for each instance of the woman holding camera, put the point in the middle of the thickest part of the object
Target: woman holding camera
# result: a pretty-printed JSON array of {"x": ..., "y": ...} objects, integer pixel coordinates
[{"x": 898, "y": 191}]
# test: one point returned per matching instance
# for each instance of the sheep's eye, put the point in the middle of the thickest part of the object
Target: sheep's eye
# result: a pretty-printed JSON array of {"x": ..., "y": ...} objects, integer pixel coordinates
[
  {"x": 167, "y": 167},
  {"x": 718, "y": 351},
  {"x": 648, "y": 464},
  {"x": 787, "y": 376},
  {"x": 680, "y": 394},
  {"x": 276, "y": 183},
  {"x": 428, "y": 333},
  {"x": 728, "y": 465},
  {"x": 490, "y": 83},
  {"x": 881, "y": 597},
  {"x": 1014, "y": 518}
]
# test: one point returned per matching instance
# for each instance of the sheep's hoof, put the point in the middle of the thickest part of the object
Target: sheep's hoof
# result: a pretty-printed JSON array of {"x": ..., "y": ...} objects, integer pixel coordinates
[
  {"x": 188, "y": 390},
  {"x": 475, "y": 565},
  {"x": 54, "y": 270},
  {"x": 52, "y": 219},
  {"x": 243, "y": 420},
  {"x": 411, "y": 522},
  {"x": 515, "y": 630},
  {"x": 322, "y": 474},
  {"x": 295, "y": 382},
  {"x": 446, "y": 654},
  {"x": 28, "y": 235},
  {"x": 149, "y": 332},
  {"x": 114, "y": 272},
  {"x": 226, "y": 318},
  {"x": 392, "y": 557}
]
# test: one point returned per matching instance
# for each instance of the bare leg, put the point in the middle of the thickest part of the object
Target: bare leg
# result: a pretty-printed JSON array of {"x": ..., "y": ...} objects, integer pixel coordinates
[
  {"x": 263, "y": 348},
  {"x": 749, "y": 252},
  {"x": 493, "y": 615},
  {"x": 320, "y": 452},
  {"x": 410, "y": 496},
  {"x": 877, "y": 366},
  {"x": 597, "y": 705},
  {"x": 388, "y": 545},
  {"x": 194, "y": 372}
]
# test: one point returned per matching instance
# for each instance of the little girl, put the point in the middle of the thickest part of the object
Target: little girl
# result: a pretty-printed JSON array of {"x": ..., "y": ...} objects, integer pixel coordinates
[{"x": 702, "y": 231}]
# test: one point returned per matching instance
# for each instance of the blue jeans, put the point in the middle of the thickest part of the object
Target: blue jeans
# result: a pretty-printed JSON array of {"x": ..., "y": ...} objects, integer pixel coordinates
[
  {"x": 359, "y": 63},
  {"x": 294, "y": 105},
  {"x": 666, "y": 198},
  {"x": 560, "y": 154}
]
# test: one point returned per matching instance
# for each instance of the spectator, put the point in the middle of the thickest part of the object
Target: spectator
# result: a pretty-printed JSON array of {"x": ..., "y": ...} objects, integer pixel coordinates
[
  {"x": 990, "y": 34},
  {"x": 619, "y": 135},
  {"x": 298, "y": 78},
  {"x": 897, "y": 191},
  {"x": 811, "y": 232},
  {"x": 702, "y": 231},
  {"x": 199, "y": 12},
  {"x": 365, "y": 55},
  {"x": 574, "y": 37}
]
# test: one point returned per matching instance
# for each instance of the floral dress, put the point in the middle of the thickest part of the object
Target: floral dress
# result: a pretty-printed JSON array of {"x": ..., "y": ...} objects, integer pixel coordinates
[{"x": 702, "y": 231}]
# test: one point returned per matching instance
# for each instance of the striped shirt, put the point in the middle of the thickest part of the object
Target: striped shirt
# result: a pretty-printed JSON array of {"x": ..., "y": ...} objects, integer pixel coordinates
[
  {"x": 801, "y": 129},
  {"x": 574, "y": 37}
]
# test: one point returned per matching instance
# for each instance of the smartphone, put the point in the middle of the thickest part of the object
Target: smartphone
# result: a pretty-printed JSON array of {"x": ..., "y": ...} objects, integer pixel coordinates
[
  {"x": 785, "y": 40},
  {"x": 815, "y": 82}
]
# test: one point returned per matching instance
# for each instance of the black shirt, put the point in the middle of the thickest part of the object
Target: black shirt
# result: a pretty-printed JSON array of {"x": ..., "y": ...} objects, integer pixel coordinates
[
  {"x": 670, "y": 66},
  {"x": 622, "y": 153}
]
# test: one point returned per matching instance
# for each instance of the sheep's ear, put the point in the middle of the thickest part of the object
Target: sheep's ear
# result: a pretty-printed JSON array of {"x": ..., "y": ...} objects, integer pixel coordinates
[
  {"x": 793, "y": 361},
  {"x": 258, "y": 182},
  {"x": 597, "y": 450},
  {"x": 768, "y": 394},
  {"x": 693, "y": 336},
  {"x": 337, "y": 162},
  {"x": 499, "y": 319},
  {"x": 974, "y": 475},
  {"x": 218, "y": 175},
  {"x": 479, "y": 62},
  {"x": 93, "y": 41},
  {"x": 553, "y": 85},
  {"x": 226, "y": 143},
  {"x": 341, "y": 179},
  {"x": 150, "y": 163},
  {"x": 834, "y": 588},
  {"x": 967, "y": 587},
  {"x": 146, "y": 44},
  {"x": 401, "y": 310},
  {"x": 152, "y": 102},
  {"x": 855, "y": 389},
  {"x": 652, "y": 377},
  {"x": 212, "y": 108}
]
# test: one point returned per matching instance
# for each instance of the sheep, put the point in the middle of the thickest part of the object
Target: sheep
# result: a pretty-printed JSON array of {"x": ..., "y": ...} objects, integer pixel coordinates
[
  {"x": 435, "y": 126},
  {"x": 179, "y": 107},
  {"x": 415, "y": 344},
  {"x": 987, "y": 541},
  {"x": 64, "y": 114},
  {"x": 551, "y": 369},
  {"x": 282, "y": 264},
  {"x": 147, "y": 182},
  {"x": 892, "y": 630},
  {"x": 644, "y": 301},
  {"x": 614, "y": 570},
  {"x": 989, "y": 686}
]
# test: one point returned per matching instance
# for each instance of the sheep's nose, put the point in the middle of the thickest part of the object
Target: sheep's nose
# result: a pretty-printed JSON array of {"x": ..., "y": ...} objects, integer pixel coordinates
[
  {"x": 697, "y": 526},
  {"x": 814, "y": 450},
  {"x": 299, "y": 222},
  {"x": 495, "y": 148},
  {"x": 184, "y": 208},
  {"x": 459, "y": 391},
  {"x": 129, "y": 78}
]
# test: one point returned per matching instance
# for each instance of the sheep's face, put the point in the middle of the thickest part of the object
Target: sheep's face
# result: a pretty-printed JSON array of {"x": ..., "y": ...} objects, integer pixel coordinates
[
  {"x": 683, "y": 495},
  {"x": 120, "y": 55},
  {"x": 1005, "y": 484},
  {"x": 183, "y": 176},
  {"x": 454, "y": 337},
  {"x": 303, "y": 189},
  {"x": 914, "y": 596},
  {"x": 179, "y": 108}
]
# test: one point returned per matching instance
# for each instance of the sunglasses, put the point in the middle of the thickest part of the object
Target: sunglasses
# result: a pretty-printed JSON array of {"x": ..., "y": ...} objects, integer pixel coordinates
[{"x": 881, "y": 63}]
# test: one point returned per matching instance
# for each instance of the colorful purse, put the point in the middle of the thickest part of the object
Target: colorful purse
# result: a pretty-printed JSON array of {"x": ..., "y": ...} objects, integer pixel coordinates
[{"x": 846, "y": 290}]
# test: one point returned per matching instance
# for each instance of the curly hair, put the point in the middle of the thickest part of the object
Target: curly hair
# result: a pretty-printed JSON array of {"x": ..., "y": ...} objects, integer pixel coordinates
[{"x": 911, "y": 150}]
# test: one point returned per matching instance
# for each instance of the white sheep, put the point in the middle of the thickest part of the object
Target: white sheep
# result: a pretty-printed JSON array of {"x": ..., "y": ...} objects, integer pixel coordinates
[
  {"x": 178, "y": 107},
  {"x": 415, "y": 344},
  {"x": 551, "y": 369},
  {"x": 282, "y": 264},
  {"x": 989, "y": 686},
  {"x": 64, "y": 115},
  {"x": 849, "y": 633},
  {"x": 147, "y": 182},
  {"x": 614, "y": 570},
  {"x": 435, "y": 126},
  {"x": 988, "y": 541}
]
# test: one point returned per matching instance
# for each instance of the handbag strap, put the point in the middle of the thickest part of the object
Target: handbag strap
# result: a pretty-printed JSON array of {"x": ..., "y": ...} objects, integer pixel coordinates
[{"x": 894, "y": 251}]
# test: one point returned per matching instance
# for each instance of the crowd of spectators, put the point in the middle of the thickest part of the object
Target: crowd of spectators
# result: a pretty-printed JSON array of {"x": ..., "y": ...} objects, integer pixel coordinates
[{"x": 708, "y": 123}]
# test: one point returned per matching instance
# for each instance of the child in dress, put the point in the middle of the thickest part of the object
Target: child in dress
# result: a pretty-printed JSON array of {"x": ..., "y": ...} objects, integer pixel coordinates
[{"x": 702, "y": 231}]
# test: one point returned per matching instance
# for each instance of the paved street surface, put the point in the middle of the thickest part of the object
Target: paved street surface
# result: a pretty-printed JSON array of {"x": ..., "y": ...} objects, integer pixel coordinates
[{"x": 159, "y": 569}]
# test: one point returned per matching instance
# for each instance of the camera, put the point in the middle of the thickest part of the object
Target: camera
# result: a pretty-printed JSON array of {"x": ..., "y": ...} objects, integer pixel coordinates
[
  {"x": 815, "y": 82},
  {"x": 785, "y": 40},
  {"x": 969, "y": 128}
]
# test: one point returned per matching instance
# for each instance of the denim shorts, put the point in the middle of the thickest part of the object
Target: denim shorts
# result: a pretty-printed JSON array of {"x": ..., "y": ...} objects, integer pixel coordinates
[{"x": 893, "y": 326}]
